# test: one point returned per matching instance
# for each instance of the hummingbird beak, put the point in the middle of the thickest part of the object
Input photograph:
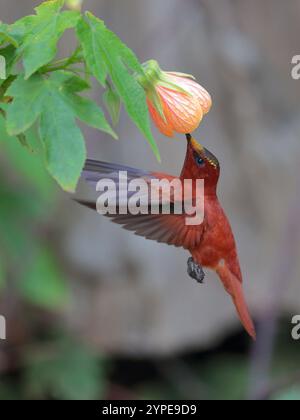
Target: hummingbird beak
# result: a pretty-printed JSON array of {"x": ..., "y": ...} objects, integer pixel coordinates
[
  {"x": 195, "y": 145},
  {"x": 198, "y": 148}
]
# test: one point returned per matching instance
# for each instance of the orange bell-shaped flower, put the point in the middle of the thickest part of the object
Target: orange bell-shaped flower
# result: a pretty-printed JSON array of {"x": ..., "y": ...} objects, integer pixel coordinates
[{"x": 176, "y": 102}]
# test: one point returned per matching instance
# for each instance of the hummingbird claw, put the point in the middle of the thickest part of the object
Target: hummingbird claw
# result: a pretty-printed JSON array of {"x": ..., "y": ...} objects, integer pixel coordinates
[{"x": 195, "y": 271}]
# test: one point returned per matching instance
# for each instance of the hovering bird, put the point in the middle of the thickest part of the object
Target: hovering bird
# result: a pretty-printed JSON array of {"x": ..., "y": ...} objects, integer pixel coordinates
[{"x": 211, "y": 243}]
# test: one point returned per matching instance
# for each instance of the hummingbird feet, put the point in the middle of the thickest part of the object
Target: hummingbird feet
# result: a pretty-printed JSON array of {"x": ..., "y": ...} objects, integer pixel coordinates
[{"x": 195, "y": 271}]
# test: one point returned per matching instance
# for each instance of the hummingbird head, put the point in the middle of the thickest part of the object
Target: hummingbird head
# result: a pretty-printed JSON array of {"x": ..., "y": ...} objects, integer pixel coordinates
[{"x": 200, "y": 163}]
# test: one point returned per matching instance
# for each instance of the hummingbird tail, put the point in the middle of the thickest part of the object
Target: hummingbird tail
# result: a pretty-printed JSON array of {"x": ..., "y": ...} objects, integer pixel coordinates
[{"x": 234, "y": 287}]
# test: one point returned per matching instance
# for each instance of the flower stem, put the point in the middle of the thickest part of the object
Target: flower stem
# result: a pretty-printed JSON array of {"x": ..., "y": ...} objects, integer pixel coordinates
[{"x": 64, "y": 63}]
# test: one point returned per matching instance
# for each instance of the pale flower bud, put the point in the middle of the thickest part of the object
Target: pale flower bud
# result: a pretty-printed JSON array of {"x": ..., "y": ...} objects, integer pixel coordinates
[
  {"x": 176, "y": 102},
  {"x": 74, "y": 4}
]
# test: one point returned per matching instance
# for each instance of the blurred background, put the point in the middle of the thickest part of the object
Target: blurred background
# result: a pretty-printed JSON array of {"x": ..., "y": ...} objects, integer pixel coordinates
[{"x": 94, "y": 312}]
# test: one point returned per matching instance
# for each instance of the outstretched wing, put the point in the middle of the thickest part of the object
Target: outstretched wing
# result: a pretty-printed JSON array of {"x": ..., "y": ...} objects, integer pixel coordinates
[{"x": 170, "y": 229}]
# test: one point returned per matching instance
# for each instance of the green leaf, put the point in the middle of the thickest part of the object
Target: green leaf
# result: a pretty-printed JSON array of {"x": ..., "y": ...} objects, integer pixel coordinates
[
  {"x": 39, "y": 46},
  {"x": 84, "y": 108},
  {"x": 91, "y": 46},
  {"x": 29, "y": 100},
  {"x": 55, "y": 100},
  {"x": 42, "y": 283},
  {"x": 113, "y": 104},
  {"x": 104, "y": 47},
  {"x": 107, "y": 39},
  {"x": 6, "y": 35},
  {"x": 19, "y": 28},
  {"x": 9, "y": 53},
  {"x": 63, "y": 140},
  {"x": 73, "y": 83},
  {"x": 88, "y": 111}
]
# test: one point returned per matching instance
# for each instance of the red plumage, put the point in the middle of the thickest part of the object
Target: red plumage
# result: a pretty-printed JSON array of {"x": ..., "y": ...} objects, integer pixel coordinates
[{"x": 211, "y": 243}]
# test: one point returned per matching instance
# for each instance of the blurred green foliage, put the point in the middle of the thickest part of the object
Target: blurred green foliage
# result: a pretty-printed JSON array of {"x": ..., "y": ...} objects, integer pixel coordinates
[
  {"x": 290, "y": 394},
  {"x": 27, "y": 195},
  {"x": 59, "y": 368},
  {"x": 64, "y": 369}
]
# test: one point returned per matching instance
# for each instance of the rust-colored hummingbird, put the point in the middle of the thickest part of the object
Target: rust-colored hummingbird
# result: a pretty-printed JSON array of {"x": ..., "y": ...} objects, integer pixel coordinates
[{"x": 211, "y": 243}]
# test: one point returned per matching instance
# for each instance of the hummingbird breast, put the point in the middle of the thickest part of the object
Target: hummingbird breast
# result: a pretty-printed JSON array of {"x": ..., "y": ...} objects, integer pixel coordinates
[{"x": 218, "y": 241}]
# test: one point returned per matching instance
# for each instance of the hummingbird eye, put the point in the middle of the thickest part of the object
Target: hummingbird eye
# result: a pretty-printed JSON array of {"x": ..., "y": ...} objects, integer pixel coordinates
[{"x": 199, "y": 161}]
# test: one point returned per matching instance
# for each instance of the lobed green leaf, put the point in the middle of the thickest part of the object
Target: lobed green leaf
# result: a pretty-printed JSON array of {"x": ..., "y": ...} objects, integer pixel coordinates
[
  {"x": 112, "y": 102},
  {"x": 42, "y": 32},
  {"x": 55, "y": 100},
  {"x": 29, "y": 101},
  {"x": 107, "y": 53},
  {"x": 64, "y": 143},
  {"x": 6, "y": 35},
  {"x": 91, "y": 46}
]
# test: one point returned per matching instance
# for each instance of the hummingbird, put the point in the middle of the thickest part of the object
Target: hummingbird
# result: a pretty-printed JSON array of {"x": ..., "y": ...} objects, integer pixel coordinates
[{"x": 211, "y": 243}]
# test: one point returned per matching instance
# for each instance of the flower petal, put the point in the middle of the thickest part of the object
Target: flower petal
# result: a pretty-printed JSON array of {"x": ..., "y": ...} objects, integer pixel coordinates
[
  {"x": 183, "y": 113},
  {"x": 163, "y": 126},
  {"x": 195, "y": 89}
]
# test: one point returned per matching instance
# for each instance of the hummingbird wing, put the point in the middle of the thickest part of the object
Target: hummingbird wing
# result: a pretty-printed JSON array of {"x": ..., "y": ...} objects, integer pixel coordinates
[{"x": 170, "y": 228}]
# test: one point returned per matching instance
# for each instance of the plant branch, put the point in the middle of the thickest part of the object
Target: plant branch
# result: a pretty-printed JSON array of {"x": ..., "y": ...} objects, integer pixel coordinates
[{"x": 64, "y": 63}]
